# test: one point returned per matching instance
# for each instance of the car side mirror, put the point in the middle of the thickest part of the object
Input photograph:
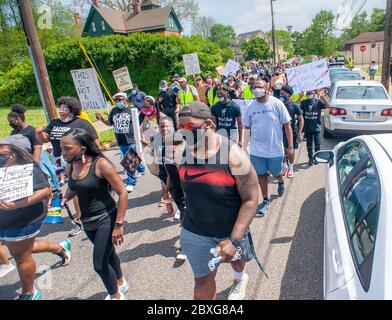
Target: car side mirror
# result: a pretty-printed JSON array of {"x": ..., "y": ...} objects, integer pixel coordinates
[
  {"x": 324, "y": 157},
  {"x": 363, "y": 78}
]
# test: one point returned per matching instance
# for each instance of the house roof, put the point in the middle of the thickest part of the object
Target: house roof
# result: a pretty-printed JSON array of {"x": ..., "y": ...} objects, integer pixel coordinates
[
  {"x": 124, "y": 22},
  {"x": 149, "y": 3},
  {"x": 368, "y": 37},
  {"x": 248, "y": 34}
]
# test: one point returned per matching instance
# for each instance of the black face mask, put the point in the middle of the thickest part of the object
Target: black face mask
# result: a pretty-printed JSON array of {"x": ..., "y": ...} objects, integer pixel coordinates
[
  {"x": 3, "y": 159},
  {"x": 13, "y": 126}
]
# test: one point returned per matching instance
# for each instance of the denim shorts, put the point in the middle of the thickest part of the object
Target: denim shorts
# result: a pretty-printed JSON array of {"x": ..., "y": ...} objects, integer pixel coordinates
[
  {"x": 265, "y": 165},
  {"x": 27, "y": 232},
  {"x": 197, "y": 249}
]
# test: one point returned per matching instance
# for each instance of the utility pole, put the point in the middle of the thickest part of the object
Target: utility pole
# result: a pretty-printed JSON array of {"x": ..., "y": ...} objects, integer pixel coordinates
[
  {"x": 387, "y": 46},
  {"x": 273, "y": 31},
  {"x": 38, "y": 60}
]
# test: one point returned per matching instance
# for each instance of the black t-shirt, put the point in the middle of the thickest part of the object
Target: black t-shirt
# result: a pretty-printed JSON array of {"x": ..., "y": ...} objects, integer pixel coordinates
[
  {"x": 226, "y": 115},
  {"x": 169, "y": 100},
  {"x": 20, "y": 218},
  {"x": 121, "y": 120},
  {"x": 312, "y": 114},
  {"x": 29, "y": 133},
  {"x": 57, "y": 128},
  {"x": 294, "y": 112}
]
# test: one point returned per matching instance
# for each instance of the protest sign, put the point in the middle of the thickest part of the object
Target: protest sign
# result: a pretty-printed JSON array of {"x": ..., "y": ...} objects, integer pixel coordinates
[
  {"x": 123, "y": 79},
  {"x": 16, "y": 182},
  {"x": 191, "y": 63},
  {"x": 308, "y": 77},
  {"x": 243, "y": 104},
  {"x": 88, "y": 89},
  {"x": 231, "y": 67}
]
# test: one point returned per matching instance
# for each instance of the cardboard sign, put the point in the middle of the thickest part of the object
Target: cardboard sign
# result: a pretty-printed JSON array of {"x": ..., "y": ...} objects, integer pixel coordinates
[
  {"x": 16, "y": 182},
  {"x": 231, "y": 67},
  {"x": 123, "y": 79},
  {"x": 131, "y": 161},
  {"x": 191, "y": 63},
  {"x": 88, "y": 89},
  {"x": 310, "y": 76}
]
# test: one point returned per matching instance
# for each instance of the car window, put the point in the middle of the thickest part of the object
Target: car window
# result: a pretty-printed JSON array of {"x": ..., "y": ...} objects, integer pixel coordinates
[
  {"x": 360, "y": 195},
  {"x": 361, "y": 92},
  {"x": 346, "y": 76}
]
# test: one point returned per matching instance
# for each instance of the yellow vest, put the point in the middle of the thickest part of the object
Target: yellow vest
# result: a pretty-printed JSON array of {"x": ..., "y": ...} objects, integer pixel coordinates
[
  {"x": 211, "y": 99},
  {"x": 84, "y": 116},
  {"x": 248, "y": 94},
  {"x": 185, "y": 97},
  {"x": 295, "y": 97},
  {"x": 350, "y": 64}
]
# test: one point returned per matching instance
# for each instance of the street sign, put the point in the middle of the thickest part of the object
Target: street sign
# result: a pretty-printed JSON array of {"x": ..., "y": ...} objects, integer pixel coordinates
[{"x": 363, "y": 48}]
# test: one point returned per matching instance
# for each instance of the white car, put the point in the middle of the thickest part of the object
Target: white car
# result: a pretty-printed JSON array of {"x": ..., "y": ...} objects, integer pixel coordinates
[
  {"x": 358, "y": 219},
  {"x": 358, "y": 107}
]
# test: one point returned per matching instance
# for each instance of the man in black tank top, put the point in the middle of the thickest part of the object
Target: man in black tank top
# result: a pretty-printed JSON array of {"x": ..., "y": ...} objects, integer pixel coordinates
[{"x": 221, "y": 192}]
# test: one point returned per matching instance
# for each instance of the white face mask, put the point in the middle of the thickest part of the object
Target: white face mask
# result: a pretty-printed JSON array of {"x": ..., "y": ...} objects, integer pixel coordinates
[
  {"x": 222, "y": 99},
  {"x": 134, "y": 91},
  {"x": 259, "y": 93},
  {"x": 310, "y": 97}
]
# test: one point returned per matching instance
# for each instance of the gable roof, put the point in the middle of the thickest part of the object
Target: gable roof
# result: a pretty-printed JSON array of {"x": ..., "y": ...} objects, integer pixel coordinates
[
  {"x": 249, "y": 34},
  {"x": 368, "y": 37}
]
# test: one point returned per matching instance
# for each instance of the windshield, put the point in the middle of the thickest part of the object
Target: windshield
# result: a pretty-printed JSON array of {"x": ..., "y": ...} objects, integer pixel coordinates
[
  {"x": 361, "y": 92},
  {"x": 346, "y": 76}
]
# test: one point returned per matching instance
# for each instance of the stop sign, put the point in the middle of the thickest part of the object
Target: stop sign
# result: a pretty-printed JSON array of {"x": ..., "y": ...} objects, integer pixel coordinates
[{"x": 363, "y": 48}]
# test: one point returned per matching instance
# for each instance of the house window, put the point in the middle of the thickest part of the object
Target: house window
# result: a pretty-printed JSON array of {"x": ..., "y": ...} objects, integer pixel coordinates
[
  {"x": 171, "y": 23},
  {"x": 103, "y": 25},
  {"x": 93, "y": 27}
]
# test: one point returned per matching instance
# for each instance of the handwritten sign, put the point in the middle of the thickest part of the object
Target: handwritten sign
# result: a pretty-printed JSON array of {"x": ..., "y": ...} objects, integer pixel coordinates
[
  {"x": 191, "y": 63},
  {"x": 16, "y": 182},
  {"x": 231, "y": 67},
  {"x": 243, "y": 104},
  {"x": 123, "y": 79},
  {"x": 310, "y": 76},
  {"x": 88, "y": 89}
]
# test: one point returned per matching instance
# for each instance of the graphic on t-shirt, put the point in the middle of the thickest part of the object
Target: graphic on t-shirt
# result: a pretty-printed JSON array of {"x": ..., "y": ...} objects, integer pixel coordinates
[
  {"x": 58, "y": 132},
  {"x": 121, "y": 122}
]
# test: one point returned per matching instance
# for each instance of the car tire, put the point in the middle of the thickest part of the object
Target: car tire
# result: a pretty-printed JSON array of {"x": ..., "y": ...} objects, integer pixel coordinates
[{"x": 327, "y": 134}]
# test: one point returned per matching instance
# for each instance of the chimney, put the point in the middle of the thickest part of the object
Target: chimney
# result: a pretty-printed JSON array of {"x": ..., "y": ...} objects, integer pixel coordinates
[
  {"x": 137, "y": 6},
  {"x": 96, "y": 3},
  {"x": 77, "y": 18}
]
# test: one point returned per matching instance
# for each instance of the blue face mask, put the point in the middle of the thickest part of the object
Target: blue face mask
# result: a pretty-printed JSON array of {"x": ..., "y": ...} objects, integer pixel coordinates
[
  {"x": 69, "y": 118},
  {"x": 120, "y": 105},
  {"x": 284, "y": 99}
]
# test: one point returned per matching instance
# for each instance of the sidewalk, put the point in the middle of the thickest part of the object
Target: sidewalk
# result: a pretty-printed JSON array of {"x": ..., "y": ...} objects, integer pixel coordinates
[{"x": 377, "y": 78}]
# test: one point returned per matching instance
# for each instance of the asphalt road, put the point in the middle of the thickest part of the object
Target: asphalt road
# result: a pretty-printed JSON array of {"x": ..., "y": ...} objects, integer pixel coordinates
[{"x": 288, "y": 241}]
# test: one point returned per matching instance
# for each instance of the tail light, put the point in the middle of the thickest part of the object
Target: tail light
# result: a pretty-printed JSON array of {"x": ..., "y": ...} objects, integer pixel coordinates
[
  {"x": 386, "y": 112},
  {"x": 337, "y": 112}
]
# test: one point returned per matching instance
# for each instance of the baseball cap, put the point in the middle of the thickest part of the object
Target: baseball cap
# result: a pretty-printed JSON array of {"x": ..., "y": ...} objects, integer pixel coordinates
[
  {"x": 120, "y": 95},
  {"x": 176, "y": 76},
  {"x": 150, "y": 98},
  {"x": 308, "y": 93},
  {"x": 17, "y": 140},
  {"x": 288, "y": 89},
  {"x": 196, "y": 109}
]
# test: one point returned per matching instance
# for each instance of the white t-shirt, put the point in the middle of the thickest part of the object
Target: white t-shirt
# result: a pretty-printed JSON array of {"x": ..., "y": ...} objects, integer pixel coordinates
[{"x": 265, "y": 121}]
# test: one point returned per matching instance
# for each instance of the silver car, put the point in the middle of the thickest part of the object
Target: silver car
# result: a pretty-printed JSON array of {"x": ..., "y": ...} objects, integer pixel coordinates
[{"x": 358, "y": 107}]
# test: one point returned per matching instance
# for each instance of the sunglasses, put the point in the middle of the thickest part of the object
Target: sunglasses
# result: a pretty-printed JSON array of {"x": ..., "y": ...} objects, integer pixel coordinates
[{"x": 120, "y": 99}]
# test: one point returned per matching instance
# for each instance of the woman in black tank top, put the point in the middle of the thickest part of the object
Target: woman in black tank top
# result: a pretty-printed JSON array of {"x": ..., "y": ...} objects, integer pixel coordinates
[{"x": 91, "y": 178}]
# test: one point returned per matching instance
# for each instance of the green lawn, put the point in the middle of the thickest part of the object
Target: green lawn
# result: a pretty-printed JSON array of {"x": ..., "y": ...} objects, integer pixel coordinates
[
  {"x": 36, "y": 118},
  {"x": 378, "y": 73}
]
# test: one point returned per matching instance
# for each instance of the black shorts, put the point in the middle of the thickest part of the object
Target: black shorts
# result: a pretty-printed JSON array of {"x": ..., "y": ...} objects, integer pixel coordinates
[{"x": 295, "y": 141}]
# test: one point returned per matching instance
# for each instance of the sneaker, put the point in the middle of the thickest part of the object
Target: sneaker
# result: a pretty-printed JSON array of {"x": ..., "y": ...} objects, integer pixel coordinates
[
  {"x": 281, "y": 189},
  {"x": 6, "y": 269},
  {"x": 75, "y": 230},
  {"x": 129, "y": 189},
  {"x": 177, "y": 215},
  {"x": 284, "y": 171},
  {"x": 123, "y": 290},
  {"x": 35, "y": 296},
  {"x": 66, "y": 256},
  {"x": 138, "y": 174},
  {"x": 238, "y": 289},
  {"x": 290, "y": 173},
  {"x": 310, "y": 163},
  {"x": 122, "y": 297},
  {"x": 263, "y": 208},
  {"x": 181, "y": 256}
]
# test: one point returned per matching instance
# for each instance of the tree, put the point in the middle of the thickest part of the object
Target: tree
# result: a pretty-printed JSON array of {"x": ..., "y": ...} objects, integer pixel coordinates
[
  {"x": 358, "y": 25},
  {"x": 255, "y": 49},
  {"x": 283, "y": 37},
  {"x": 298, "y": 43},
  {"x": 202, "y": 26},
  {"x": 222, "y": 35},
  {"x": 377, "y": 20}
]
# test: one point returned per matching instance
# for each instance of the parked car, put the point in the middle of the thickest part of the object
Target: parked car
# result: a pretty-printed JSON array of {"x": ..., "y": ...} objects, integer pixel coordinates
[
  {"x": 337, "y": 64},
  {"x": 345, "y": 76},
  {"x": 358, "y": 107},
  {"x": 358, "y": 222},
  {"x": 333, "y": 71}
]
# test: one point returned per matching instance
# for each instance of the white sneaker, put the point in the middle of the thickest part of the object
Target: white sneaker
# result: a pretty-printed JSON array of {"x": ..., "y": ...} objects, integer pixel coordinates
[
  {"x": 122, "y": 297},
  {"x": 129, "y": 189},
  {"x": 123, "y": 289},
  {"x": 238, "y": 289},
  {"x": 177, "y": 215},
  {"x": 6, "y": 269},
  {"x": 181, "y": 256},
  {"x": 138, "y": 174}
]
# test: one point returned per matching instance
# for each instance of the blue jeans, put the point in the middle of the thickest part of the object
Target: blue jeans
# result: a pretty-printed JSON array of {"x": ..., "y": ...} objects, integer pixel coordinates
[
  {"x": 124, "y": 148},
  {"x": 50, "y": 170}
]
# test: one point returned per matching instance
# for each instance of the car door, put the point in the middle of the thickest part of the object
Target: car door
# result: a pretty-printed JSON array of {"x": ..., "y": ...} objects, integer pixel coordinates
[{"x": 360, "y": 198}]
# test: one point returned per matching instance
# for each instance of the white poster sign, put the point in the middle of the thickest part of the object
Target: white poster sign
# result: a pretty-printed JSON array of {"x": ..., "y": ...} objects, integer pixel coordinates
[
  {"x": 123, "y": 79},
  {"x": 309, "y": 76},
  {"x": 16, "y": 182},
  {"x": 191, "y": 63},
  {"x": 88, "y": 89},
  {"x": 231, "y": 67},
  {"x": 243, "y": 104}
]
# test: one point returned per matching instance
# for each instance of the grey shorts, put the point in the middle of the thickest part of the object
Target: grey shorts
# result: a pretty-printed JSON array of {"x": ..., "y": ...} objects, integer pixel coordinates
[{"x": 197, "y": 249}]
